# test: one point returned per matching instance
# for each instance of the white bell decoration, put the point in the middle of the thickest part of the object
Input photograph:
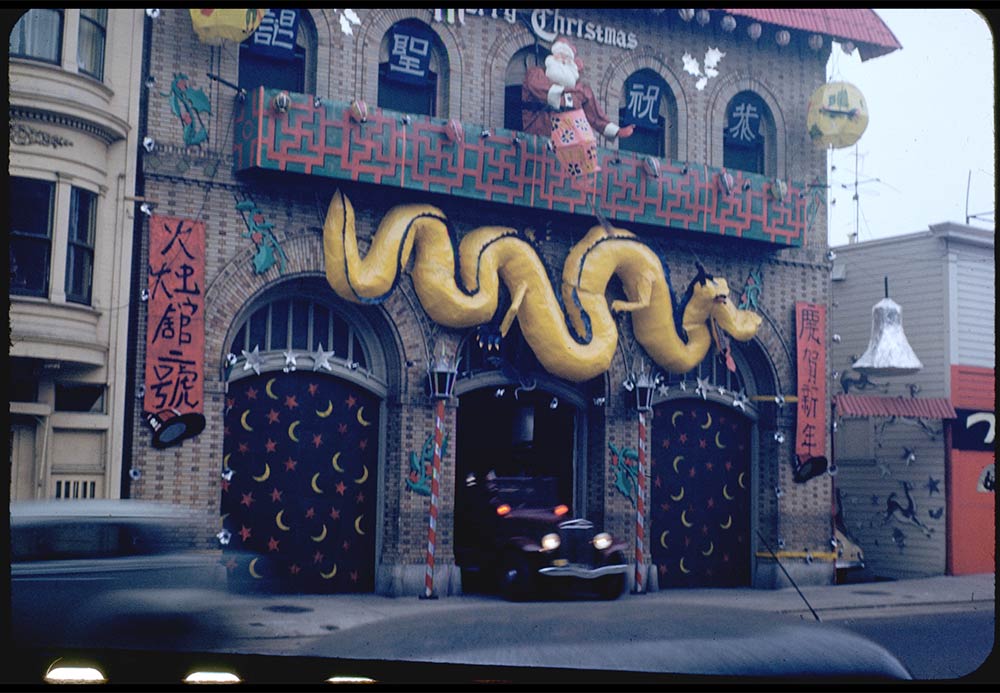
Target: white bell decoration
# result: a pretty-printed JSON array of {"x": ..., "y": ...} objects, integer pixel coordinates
[{"x": 888, "y": 351}]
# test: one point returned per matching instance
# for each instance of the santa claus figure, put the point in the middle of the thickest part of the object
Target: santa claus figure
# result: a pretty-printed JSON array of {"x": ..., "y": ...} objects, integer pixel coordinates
[{"x": 558, "y": 88}]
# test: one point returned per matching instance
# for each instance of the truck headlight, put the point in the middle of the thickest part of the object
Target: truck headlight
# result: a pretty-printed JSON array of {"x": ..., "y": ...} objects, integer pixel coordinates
[
  {"x": 602, "y": 541},
  {"x": 550, "y": 542}
]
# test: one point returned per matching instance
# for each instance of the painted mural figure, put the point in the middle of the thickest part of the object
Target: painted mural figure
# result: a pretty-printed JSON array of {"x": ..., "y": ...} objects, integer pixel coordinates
[{"x": 558, "y": 88}]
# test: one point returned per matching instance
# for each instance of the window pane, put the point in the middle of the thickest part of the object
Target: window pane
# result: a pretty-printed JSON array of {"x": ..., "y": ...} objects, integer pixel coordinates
[
  {"x": 341, "y": 334},
  {"x": 644, "y": 141},
  {"x": 358, "y": 354},
  {"x": 300, "y": 324},
  {"x": 239, "y": 341},
  {"x": 80, "y": 397},
  {"x": 38, "y": 35},
  {"x": 33, "y": 213},
  {"x": 321, "y": 327},
  {"x": 279, "y": 325},
  {"x": 258, "y": 329},
  {"x": 90, "y": 51},
  {"x": 512, "y": 117},
  {"x": 404, "y": 97},
  {"x": 80, "y": 251},
  {"x": 30, "y": 231},
  {"x": 256, "y": 70}
]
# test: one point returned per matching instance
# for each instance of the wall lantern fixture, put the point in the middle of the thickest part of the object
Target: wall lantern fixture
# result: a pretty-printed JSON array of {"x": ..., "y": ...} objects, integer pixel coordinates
[
  {"x": 441, "y": 375},
  {"x": 644, "y": 385}
]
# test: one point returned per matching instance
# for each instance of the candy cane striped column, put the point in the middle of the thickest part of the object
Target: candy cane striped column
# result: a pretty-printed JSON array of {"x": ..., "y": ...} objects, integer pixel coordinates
[
  {"x": 640, "y": 505},
  {"x": 435, "y": 480}
]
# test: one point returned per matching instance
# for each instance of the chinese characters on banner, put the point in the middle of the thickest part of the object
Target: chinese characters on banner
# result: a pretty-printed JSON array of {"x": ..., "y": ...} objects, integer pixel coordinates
[
  {"x": 810, "y": 432},
  {"x": 643, "y": 96},
  {"x": 276, "y": 35},
  {"x": 409, "y": 55},
  {"x": 744, "y": 119},
  {"x": 175, "y": 330}
]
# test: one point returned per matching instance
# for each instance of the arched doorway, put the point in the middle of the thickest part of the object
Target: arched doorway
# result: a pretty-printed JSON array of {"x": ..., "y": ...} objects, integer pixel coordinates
[
  {"x": 703, "y": 468},
  {"x": 301, "y": 463},
  {"x": 514, "y": 420}
]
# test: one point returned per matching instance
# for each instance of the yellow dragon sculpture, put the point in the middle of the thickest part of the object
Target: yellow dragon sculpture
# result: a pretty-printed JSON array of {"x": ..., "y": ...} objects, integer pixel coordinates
[{"x": 491, "y": 253}]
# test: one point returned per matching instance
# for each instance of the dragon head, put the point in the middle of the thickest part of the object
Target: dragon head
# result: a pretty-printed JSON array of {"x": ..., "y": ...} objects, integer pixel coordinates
[{"x": 713, "y": 294}]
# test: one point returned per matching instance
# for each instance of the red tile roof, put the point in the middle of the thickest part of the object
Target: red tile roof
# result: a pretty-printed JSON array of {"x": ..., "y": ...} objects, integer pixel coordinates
[
  {"x": 860, "y": 25},
  {"x": 906, "y": 407}
]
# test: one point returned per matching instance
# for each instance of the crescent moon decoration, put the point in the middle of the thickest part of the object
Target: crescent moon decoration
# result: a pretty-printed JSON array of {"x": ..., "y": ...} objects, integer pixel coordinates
[
  {"x": 683, "y": 569},
  {"x": 711, "y": 548},
  {"x": 315, "y": 488},
  {"x": 357, "y": 525},
  {"x": 326, "y": 412},
  {"x": 265, "y": 475},
  {"x": 267, "y": 389},
  {"x": 252, "y": 571},
  {"x": 676, "y": 460},
  {"x": 679, "y": 496},
  {"x": 321, "y": 536},
  {"x": 725, "y": 492},
  {"x": 225, "y": 460},
  {"x": 327, "y": 576},
  {"x": 728, "y": 523},
  {"x": 673, "y": 419},
  {"x": 364, "y": 475},
  {"x": 717, "y": 443},
  {"x": 708, "y": 424},
  {"x": 281, "y": 525},
  {"x": 291, "y": 430},
  {"x": 243, "y": 421},
  {"x": 336, "y": 456},
  {"x": 361, "y": 418},
  {"x": 740, "y": 480},
  {"x": 684, "y": 520},
  {"x": 663, "y": 538}
]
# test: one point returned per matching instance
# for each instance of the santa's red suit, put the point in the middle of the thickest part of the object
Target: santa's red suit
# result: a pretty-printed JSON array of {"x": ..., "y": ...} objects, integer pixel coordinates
[{"x": 541, "y": 96}]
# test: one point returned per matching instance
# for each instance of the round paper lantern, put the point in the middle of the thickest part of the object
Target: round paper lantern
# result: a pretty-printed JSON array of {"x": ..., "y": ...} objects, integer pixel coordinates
[
  {"x": 214, "y": 26},
  {"x": 754, "y": 30},
  {"x": 836, "y": 115},
  {"x": 728, "y": 23},
  {"x": 815, "y": 42},
  {"x": 686, "y": 15},
  {"x": 782, "y": 38},
  {"x": 703, "y": 17}
]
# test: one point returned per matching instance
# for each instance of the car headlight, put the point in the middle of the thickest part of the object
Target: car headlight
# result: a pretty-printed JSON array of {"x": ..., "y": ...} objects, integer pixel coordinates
[
  {"x": 602, "y": 541},
  {"x": 550, "y": 542}
]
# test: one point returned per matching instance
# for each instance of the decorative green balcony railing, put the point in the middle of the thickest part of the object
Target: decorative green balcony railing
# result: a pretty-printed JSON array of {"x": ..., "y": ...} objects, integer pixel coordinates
[{"x": 318, "y": 137}]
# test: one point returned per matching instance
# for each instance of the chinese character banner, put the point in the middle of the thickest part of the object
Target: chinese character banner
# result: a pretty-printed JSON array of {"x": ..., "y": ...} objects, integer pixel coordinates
[
  {"x": 810, "y": 430},
  {"x": 175, "y": 331}
]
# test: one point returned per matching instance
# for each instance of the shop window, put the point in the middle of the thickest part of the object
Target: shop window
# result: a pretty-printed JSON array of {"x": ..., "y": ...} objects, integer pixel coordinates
[
  {"x": 38, "y": 36},
  {"x": 748, "y": 134},
  {"x": 517, "y": 69},
  {"x": 280, "y": 54},
  {"x": 650, "y": 106},
  {"x": 90, "y": 45},
  {"x": 30, "y": 236},
  {"x": 80, "y": 249},
  {"x": 80, "y": 397},
  {"x": 411, "y": 59}
]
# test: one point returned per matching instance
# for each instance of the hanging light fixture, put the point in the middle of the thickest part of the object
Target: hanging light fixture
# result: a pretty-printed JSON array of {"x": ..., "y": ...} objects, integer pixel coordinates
[
  {"x": 782, "y": 37},
  {"x": 644, "y": 386},
  {"x": 686, "y": 15},
  {"x": 728, "y": 23},
  {"x": 703, "y": 17},
  {"x": 888, "y": 352},
  {"x": 754, "y": 31},
  {"x": 816, "y": 42},
  {"x": 441, "y": 375}
]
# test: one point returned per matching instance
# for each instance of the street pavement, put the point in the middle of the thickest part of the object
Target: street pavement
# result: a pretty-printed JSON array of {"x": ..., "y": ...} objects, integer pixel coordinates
[{"x": 273, "y": 618}]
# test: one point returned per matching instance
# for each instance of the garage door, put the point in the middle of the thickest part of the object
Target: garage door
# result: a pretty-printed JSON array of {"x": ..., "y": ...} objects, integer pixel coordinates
[
  {"x": 700, "y": 495},
  {"x": 300, "y": 502}
]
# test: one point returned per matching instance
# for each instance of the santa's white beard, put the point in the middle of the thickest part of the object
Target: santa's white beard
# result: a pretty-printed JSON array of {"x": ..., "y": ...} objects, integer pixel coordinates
[{"x": 563, "y": 74}]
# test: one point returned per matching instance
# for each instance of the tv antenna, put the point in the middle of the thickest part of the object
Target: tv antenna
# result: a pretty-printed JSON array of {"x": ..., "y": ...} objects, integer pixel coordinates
[
  {"x": 982, "y": 215},
  {"x": 856, "y": 197}
]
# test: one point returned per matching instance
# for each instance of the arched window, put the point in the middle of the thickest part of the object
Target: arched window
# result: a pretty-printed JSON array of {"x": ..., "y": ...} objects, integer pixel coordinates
[
  {"x": 650, "y": 106},
  {"x": 410, "y": 69},
  {"x": 748, "y": 134},
  {"x": 517, "y": 68},
  {"x": 281, "y": 53},
  {"x": 292, "y": 322}
]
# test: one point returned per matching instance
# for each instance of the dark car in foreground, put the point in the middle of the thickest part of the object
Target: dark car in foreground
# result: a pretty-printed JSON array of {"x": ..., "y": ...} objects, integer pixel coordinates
[
  {"x": 518, "y": 538},
  {"x": 109, "y": 573}
]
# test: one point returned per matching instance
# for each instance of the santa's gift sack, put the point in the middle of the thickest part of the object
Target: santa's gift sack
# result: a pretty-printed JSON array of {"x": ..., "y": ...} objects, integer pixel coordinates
[{"x": 574, "y": 141}]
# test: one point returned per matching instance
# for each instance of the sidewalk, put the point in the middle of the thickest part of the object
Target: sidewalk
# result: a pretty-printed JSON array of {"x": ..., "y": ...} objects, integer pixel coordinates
[{"x": 294, "y": 616}]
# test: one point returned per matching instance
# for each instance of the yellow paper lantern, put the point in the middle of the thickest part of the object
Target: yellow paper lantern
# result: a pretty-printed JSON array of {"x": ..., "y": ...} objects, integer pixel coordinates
[
  {"x": 214, "y": 26},
  {"x": 837, "y": 115}
]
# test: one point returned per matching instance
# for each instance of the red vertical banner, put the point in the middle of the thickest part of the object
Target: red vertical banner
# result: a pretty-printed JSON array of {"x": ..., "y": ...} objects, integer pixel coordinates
[
  {"x": 810, "y": 429},
  {"x": 175, "y": 328}
]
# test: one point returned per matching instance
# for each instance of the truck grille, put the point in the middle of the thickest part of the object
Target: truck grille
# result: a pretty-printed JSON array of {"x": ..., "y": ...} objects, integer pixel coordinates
[{"x": 576, "y": 536}]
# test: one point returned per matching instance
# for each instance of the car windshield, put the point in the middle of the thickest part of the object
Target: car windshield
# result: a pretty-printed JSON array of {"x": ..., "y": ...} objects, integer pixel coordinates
[{"x": 526, "y": 492}]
